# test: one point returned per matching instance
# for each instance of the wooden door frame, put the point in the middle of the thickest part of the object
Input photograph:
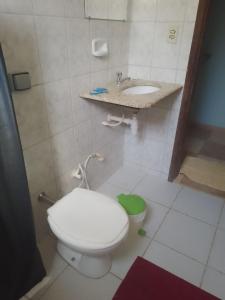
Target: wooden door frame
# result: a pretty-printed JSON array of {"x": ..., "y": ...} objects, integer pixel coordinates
[{"x": 190, "y": 81}]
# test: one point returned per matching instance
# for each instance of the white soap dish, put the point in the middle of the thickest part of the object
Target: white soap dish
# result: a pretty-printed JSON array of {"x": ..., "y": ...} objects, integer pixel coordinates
[{"x": 99, "y": 47}]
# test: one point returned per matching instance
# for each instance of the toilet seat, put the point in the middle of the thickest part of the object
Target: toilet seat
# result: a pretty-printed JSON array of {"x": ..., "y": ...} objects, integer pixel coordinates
[{"x": 88, "y": 220}]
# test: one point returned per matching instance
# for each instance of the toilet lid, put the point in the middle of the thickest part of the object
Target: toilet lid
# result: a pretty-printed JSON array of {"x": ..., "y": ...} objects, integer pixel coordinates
[{"x": 88, "y": 216}]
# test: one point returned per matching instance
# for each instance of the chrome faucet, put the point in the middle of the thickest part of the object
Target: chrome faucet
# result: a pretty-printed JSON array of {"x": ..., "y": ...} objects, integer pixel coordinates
[{"x": 119, "y": 78}]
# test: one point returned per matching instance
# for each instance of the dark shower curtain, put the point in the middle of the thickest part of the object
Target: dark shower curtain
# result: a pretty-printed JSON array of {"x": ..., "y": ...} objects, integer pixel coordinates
[{"x": 20, "y": 262}]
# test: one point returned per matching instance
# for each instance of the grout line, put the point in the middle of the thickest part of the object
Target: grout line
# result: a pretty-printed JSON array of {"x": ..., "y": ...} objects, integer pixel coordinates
[
  {"x": 212, "y": 245},
  {"x": 154, "y": 235}
]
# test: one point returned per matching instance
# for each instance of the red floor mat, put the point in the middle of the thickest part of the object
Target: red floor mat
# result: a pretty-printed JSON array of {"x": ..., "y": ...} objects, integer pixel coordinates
[{"x": 146, "y": 281}]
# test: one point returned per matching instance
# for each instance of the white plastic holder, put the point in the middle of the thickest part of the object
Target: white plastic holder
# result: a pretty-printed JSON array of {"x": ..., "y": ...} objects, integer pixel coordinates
[
  {"x": 99, "y": 47},
  {"x": 114, "y": 121}
]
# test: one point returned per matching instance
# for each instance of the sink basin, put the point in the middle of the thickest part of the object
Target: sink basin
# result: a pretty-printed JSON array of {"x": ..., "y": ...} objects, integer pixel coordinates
[{"x": 140, "y": 90}]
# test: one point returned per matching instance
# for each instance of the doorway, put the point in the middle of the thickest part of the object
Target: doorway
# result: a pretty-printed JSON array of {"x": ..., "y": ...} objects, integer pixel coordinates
[{"x": 199, "y": 150}]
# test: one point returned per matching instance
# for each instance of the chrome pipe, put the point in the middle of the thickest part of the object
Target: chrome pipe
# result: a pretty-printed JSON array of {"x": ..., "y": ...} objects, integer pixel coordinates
[{"x": 44, "y": 198}]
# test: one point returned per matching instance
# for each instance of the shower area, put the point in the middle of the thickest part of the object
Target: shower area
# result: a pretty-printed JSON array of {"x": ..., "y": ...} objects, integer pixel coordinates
[{"x": 204, "y": 166}]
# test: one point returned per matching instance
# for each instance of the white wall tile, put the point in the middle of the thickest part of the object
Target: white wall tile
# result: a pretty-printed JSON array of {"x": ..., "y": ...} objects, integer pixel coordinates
[
  {"x": 164, "y": 75},
  {"x": 65, "y": 151},
  {"x": 17, "y": 35},
  {"x": 142, "y": 10},
  {"x": 16, "y": 6},
  {"x": 59, "y": 106},
  {"x": 79, "y": 46},
  {"x": 165, "y": 55},
  {"x": 74, "y": 8},
  {"x": 186, "y": 42},
  {"x": 31, "y": 116},
  {"x": 52, "y": 44},
  {"x": 171, "y": 10},
  {"x": 49, "y": 7},
  {"x": 192, "y": 8},
  {"x": 140, "y": 43}
]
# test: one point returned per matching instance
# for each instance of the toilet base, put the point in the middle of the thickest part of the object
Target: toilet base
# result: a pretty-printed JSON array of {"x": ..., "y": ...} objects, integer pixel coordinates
[{"x": 88, "y": 265}]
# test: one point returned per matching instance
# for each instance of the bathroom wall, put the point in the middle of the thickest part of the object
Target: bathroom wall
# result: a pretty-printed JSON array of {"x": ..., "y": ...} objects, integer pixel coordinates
[
  {"x": 152, "y": 57},
  {"x": 208, "y": 106},
  {"x": 52, "y": 40}
]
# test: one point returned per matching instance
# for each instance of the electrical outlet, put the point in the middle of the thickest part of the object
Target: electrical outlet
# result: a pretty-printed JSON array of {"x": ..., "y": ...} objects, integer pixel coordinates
[{"x": 172, "y": 34}]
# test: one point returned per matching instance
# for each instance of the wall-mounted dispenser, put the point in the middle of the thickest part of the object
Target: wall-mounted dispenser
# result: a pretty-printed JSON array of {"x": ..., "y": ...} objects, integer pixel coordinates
[
  {"x": 99, "y": 47},
  {"x": 19, "y": 81}
]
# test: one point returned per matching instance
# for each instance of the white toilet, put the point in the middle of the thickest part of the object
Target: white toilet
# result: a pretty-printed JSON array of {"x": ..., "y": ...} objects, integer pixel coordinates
[{"x": 88, "y": 226}]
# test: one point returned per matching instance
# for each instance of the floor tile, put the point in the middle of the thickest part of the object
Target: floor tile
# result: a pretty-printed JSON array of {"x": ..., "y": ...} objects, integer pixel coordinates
[
  {"x": 111, "y": 190},
  {"x": 200, "y": 205},
  {"x": 217, "y": 256},
  {"x": 53, "y": 263},
  {"x": 186, "y": 235},
  {"x": 157, "y": 190},
  {"x": 125, "y": 255},
  {"x": 127, "y": 177},
  {"x": 222, "y": 220},
  {"x": 174, "y": 262},
  {"x": 214, "y": 283},
  {"x": 71, "y": 285},
  {"x": 155, "y": 215}
]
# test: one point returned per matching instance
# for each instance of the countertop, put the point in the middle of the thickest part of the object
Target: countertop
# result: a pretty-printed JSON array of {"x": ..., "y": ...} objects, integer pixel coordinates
[{"x": 115, "y": 95}]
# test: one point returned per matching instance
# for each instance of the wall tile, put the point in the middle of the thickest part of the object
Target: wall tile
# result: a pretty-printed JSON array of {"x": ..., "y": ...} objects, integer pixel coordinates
[
  {"x": 139, "y": 72},
  {"x": 49, "y": 7},
  {"x": 142, "y": 10},
  {"x": 17, "y": 35},
  {"x": 140, "y": 44},
  {"x": 39, "y": 166},
  {"x": 52, "y": 44},
  {"x": 31, "y": 116},
  {"x": 16, "y": 6},
  {"x": 186, "y": 43},
  {"x": 79, "y": 46},
  {"x": 171, "y": 10},
  {"x": 164, "y": 75},
  {"x": 59, "y": 106},
  {"x": 65, "y": 152},
  {"x": 118, "y": 43},
  {"x": 81, "y": 107},
  {"x": 165, "y": 55},
  {"x": 192, "y": 8},
  {"x": 74, "y": 8}
]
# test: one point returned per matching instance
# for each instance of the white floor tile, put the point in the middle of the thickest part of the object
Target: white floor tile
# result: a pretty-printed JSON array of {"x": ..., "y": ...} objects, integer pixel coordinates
[
  {"x": 71, "y": 285},
  {"x": 186, "y": 235},
  {"x": 217, "y": 257},
  {"x": 111, "y": 190},
  {"x": 222, "y": 220},
  {"x": 214, "y": 283},
  {"x": 158, "y": 190},
  {"x": 127, "y": 177},
  {"x": 155, "y": 215},
  {"x": 199, "y": 205},
  {"x": 53, "y": 263},
  {"x": 174, "y": 262},
  {"x": 125, "y": 255}
]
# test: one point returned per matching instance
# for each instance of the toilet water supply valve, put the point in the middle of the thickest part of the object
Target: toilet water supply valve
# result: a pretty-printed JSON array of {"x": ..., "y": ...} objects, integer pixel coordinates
[
  {"x": 81, "y": 171},
  {"x": 113, "y": 121}
]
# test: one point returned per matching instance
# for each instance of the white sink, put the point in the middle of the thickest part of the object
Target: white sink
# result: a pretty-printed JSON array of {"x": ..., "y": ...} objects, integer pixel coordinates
[{"x": 140, "y": 90}]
